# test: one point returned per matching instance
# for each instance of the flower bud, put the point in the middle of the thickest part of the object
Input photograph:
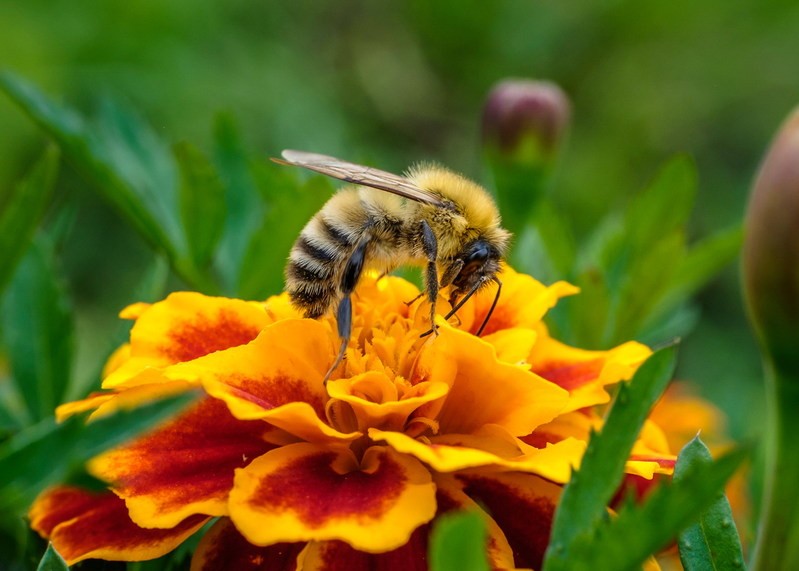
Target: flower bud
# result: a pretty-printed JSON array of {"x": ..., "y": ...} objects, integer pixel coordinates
[
  {"x": 525, "y": 120},
  {"x": 771, "y": 248}
]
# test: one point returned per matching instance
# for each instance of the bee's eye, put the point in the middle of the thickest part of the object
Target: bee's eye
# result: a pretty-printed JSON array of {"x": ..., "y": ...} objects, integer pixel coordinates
[{"x": 477, "y": 256}]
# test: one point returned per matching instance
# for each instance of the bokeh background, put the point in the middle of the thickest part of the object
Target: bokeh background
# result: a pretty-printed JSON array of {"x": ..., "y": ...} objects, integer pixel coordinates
[{"x": 397, "y": 82}]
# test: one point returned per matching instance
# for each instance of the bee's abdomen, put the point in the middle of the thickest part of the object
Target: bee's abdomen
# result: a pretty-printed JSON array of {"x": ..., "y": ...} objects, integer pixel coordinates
[{"x": 312, "y": 272}]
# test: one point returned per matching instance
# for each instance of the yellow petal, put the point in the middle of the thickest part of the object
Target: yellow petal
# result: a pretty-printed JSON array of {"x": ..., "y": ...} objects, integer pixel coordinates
[
  {"x": 376, "y": 402},
  {"x": 278, "y": 378},
  {"x": 491, "y": 448},
  {"x": 305, "y": 492},
  {"x": 585, "y": 373},
  {"x": 484, "y": 390},
  {"x": 186, "y": 326}
]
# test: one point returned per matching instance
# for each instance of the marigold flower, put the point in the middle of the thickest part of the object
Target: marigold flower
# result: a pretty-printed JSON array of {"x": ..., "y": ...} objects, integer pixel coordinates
[{"x": 351, "y": 474}]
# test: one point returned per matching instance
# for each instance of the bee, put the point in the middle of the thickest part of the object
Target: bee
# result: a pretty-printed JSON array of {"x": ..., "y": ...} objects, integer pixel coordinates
[{"x": 431, "y": 217}]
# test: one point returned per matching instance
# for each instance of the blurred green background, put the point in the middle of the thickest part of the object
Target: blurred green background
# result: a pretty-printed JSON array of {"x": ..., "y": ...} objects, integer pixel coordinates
[{"x": 397, "y": 82}]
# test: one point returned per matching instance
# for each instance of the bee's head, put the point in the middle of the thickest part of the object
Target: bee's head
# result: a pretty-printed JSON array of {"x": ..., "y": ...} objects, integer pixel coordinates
[{"x": 477, "y": 264}]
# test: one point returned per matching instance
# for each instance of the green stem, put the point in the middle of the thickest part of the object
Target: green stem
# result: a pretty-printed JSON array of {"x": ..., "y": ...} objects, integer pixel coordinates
[{"x": 777, "y": 546}]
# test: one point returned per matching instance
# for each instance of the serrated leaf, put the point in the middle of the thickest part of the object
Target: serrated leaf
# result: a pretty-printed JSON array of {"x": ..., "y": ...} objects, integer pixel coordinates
[
  {"x": 23, "y": 211},
  {"x": 123, "y": 159},
  {"x": 52, "y": 561},
  {"x": 37, "y": 327},
  {"x": 202, "y": 202},
  {"x": 583, "y": 504},
  {"x": 712, "y": 542},
  {"x": 245, "y": 206},
  {"x": 626, "y": 541},
  {"x": 28, "y": 462},
  {"x": 458, "y": 543}
]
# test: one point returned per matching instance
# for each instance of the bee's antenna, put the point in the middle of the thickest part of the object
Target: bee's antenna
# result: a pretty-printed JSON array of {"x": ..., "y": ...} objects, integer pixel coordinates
[{"x": 493, "y": 305}]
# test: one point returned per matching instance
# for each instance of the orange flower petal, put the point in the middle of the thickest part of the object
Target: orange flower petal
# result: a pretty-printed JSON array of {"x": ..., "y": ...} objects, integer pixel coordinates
[
  {"x": 585, "y": 373},
  {"x": 484, "y": 390},
  {"x": 454, "y": 452},
  {"x": 523, "y": 506},
  {"x": 184, "y": 468},
  {"x": 523, "y": 303},
  {"x": 91, "y": 402},
  {"x": 186, "y": 326},
  {"x": 223, "y": 547},
  {"x": 105, "y": 403},
  {"x": 575, "y": 424},
  {"x": 303, "y": 492},
  {"x": 513, "y": 345},
  {"x": 379, "y": 296},
  {"x": 84, "y": 525},
  {"x": 277, "y": 378},
  {"x": 375, "y": 400},
  {"x": 337, "y": 555}
]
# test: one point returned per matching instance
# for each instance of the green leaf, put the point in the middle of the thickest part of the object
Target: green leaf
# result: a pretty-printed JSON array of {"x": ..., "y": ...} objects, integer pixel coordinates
[
  {"x": 638, "y": 531},
  {"x": 546, "y": 247},
  {"x": 458, "y": 543},
  {"x": 149, "y": 289},
  {"x": 244, "y": 204},
  {"x": 647, "y": 279},
  {"x": 519, "y": 189},
  {"x": 702, "y": 263},
  {"x": 28, "y": 462},
  {"x": 202, "y": 202},
  {"x": 127, "y": 163},
  {"x": 37, "y": 329},
  {"x": 712, "y": 542},
  {"x": 583, "y": 505},
  {"x": 290, "y": 205},
  {"x": 664, "y": 206},
  {"x": 52, "y": 561},
  {"x": 23, "y": 211}
]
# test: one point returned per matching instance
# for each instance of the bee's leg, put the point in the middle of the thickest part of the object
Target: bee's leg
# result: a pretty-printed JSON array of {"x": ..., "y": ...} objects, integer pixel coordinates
[
  {"x": 349, "y": 279},
  {"x": 430, "y": 249},
  {"x": 414, "y": 300}
]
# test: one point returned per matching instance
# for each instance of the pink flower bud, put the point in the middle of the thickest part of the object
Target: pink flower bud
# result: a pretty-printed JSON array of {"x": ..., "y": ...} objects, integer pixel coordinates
[
  {"x": 771, "y": 249},
  {"x": 525, "y": 119}
]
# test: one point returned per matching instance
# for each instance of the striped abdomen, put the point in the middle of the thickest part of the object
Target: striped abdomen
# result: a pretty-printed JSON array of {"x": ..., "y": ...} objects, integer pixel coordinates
[{"x": 313, "y": 271}]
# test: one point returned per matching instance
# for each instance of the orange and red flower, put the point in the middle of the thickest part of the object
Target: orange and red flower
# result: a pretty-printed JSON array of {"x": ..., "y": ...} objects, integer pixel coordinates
[{"x": 303, "y": 475}]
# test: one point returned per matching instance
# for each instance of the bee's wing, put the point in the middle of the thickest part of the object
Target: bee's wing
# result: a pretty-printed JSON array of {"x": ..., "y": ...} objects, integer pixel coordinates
[{"x": 359, "y": 174}]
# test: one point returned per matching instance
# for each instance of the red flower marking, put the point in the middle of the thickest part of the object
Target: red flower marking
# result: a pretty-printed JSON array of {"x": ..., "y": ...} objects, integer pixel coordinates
[
  {"x": 501, "y": 319},
  {"x": 193, "y": 339},
  {"x": 99, "y": 521},
  {"x": 224, "y": 547},
  {"x": 271, "y": 392},
  {"x": 338, "y": 556},
  {"x": 527, "y": 523},
  {"x": 541, "y": 439},
  {"x": 191, "y": 458},
  {"x": 311, "y": 487},
  {"x": 570, "y": 376}
]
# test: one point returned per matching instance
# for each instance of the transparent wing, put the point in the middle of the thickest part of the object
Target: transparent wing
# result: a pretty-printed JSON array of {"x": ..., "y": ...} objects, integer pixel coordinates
[{"x": 359, "y": 174}]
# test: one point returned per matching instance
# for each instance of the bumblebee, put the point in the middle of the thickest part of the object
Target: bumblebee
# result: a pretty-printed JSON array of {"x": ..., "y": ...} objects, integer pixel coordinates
[{"x": 431, "y": 217}]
